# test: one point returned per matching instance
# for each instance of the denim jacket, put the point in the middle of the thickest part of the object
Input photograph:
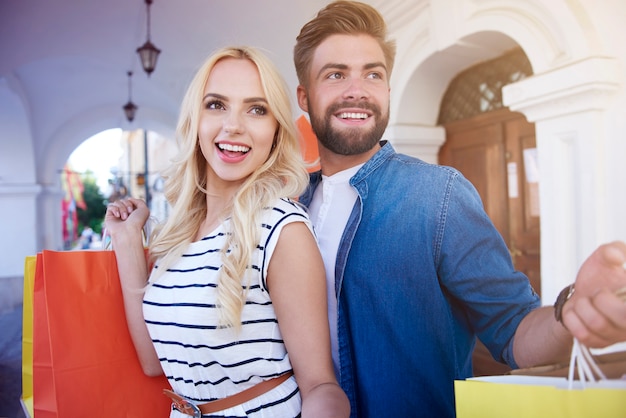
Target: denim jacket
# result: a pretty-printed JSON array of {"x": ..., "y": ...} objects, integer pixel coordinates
[{"x": 421, "y": 271}]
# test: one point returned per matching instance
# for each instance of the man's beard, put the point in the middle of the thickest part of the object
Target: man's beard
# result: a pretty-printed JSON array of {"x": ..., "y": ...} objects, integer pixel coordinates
[{"x": 349, "y": 141}]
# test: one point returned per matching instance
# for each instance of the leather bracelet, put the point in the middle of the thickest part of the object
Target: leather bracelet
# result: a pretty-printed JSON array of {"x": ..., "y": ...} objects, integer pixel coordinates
[{"x": 563, "y": 297}]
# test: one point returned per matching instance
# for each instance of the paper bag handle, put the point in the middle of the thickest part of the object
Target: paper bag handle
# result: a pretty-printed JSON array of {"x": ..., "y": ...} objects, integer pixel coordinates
[{"x": 582, "y": 359}]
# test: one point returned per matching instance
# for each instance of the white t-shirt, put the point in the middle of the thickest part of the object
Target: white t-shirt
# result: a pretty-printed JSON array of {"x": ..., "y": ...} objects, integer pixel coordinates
[{"x": 329, "y": 210}]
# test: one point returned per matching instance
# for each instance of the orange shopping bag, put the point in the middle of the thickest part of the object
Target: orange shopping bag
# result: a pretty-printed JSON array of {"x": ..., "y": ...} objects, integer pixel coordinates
[{"x": 84, "y": 362}]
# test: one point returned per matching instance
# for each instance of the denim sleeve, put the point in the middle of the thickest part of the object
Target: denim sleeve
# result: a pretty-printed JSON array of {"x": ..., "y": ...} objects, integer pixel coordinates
[{"x": 476, "y": 271}]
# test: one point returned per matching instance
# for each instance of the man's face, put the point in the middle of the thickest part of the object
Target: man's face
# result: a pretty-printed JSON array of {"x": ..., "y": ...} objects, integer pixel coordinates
[{"x": 348, "y": 94}]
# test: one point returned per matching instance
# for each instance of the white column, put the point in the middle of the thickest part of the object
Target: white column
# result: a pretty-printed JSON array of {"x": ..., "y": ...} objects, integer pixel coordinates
[
  {"x": 50, "y": 235},
  {"x": 418, "y": 141},
  {"x": 18, "y": 231},
  {"x": 569, "y": 108}
]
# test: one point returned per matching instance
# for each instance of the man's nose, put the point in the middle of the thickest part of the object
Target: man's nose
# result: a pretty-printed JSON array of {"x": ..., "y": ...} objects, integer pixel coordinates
[{"x": 356, "y": 89}]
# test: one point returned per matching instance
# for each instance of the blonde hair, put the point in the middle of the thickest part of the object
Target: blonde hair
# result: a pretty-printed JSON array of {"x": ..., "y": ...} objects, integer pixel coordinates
[
  {"x": 282, "y": 175},
  {"x": 340, "y": 18}
]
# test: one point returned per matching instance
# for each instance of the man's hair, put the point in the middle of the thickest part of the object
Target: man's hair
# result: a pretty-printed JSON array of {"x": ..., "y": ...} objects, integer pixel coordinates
[{"x": 340, "y": 18}]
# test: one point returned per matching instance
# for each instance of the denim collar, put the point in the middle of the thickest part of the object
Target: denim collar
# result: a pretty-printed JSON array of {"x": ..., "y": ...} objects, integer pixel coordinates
[{"x": 383, "y": 154}]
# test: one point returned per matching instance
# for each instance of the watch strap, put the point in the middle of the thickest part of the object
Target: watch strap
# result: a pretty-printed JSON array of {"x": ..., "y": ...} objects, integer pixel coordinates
[{"x": 563, "y": 297}]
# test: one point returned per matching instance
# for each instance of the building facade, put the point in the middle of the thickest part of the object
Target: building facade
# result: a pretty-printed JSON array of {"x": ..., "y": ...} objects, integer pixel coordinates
[{"x": 575, "y": 97}]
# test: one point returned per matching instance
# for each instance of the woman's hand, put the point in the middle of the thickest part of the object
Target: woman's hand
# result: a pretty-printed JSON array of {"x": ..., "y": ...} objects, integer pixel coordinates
[{"x": 126, "y": 216}]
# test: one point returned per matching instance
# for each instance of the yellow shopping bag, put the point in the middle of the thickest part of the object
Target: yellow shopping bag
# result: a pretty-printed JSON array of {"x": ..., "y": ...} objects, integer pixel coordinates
[
  {"x": 27, "y": 334},
  {"x": 591, "y": 386},
  {"x": 516, "y": 396}
]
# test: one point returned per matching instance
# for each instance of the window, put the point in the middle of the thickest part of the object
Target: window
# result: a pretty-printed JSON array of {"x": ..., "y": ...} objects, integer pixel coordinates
[{"x": 478, "y": 89}]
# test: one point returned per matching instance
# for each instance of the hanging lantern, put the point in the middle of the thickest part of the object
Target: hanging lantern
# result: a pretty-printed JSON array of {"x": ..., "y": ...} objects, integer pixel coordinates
[
  {"x": 148, "y": 53},
  {"x": 130, "y": 108}
]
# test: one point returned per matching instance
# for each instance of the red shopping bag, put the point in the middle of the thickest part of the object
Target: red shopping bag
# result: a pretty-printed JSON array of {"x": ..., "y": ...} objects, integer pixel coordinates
[{"x": 84, "y": 362}]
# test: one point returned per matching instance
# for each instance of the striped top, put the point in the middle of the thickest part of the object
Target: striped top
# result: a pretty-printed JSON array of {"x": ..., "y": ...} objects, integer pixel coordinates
[{"x": 203, "y": 362}]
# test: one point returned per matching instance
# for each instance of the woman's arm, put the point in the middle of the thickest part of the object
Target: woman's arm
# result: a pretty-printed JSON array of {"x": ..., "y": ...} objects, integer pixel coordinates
[
  {"x": 124, "y": 221},
  {"x": 297, "y": 285}
]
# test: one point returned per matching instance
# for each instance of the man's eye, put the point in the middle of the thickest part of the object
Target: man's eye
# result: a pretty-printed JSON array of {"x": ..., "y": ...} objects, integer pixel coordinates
[
  {"x": 334, "y": 76},
  {"x": 376, "y": 76}
]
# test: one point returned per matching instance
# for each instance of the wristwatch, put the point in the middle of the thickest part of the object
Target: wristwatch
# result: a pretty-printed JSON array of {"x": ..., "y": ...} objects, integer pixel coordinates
[{"x": 563, "y": 297}]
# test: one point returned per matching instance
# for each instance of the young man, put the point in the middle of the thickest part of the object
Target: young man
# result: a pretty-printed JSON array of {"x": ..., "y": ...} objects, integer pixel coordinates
[{"x": 416, "y": 269}]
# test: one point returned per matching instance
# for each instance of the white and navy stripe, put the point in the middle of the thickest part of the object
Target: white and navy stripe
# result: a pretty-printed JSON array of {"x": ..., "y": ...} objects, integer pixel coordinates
[{"x": 203, "y": 361}]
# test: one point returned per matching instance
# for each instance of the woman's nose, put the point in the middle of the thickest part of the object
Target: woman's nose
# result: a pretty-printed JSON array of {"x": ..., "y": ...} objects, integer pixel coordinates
[{"x": 233, "y": 124}]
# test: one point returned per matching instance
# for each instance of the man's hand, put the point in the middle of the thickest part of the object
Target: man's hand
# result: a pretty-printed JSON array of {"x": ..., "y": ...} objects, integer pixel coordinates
[{"x": 596, "y": 314}]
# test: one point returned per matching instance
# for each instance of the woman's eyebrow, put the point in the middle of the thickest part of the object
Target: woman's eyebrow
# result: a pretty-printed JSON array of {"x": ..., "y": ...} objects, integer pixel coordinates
[{"x": 224, "y": 98}]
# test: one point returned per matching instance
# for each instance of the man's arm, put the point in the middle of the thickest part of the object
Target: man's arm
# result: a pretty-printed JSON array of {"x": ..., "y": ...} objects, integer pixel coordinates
[{"x": 595, "y": 314}]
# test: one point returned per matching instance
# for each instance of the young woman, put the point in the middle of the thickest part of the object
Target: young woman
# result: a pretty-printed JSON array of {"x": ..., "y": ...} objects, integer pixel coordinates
[{"x": 234, "y": 311}]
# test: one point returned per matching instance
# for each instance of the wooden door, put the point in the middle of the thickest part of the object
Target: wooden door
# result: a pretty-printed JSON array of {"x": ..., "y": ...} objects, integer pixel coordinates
[{"x": 496, "y": 151}]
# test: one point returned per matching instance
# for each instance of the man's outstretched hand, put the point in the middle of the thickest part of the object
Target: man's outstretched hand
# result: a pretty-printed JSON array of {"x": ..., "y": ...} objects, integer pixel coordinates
[{"x": 596, "y": 312}]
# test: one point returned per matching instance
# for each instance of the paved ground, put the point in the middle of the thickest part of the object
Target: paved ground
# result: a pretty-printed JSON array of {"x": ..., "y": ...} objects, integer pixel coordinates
[{"x": 11, "y": 363}]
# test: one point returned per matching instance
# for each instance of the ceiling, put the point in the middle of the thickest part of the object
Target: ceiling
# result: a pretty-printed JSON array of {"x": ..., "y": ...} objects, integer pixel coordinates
[
  {"x": 68, "y": 59},
  {"x": 65, "y": 63}
]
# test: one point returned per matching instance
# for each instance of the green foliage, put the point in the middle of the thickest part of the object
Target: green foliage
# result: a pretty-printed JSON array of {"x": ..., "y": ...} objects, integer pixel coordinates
[{"x": 93, "y": 216}]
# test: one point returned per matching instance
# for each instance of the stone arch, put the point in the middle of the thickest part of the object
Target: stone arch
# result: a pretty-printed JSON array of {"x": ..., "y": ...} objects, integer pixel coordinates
[
  {"x": 550, "y": 36},
  {"x": 52, "y": 159},
  {"x": 89, "y": 123}
]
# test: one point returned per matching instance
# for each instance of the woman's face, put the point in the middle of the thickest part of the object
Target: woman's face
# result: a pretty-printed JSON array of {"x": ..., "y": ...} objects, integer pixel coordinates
[{"x": 236, "y": 128}]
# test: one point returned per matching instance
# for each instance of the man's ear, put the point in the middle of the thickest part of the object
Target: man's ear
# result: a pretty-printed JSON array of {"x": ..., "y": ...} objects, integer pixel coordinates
[{"x": 302, "y": 98}]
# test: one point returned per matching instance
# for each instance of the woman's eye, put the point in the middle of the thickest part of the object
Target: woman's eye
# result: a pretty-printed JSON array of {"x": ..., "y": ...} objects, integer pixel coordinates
[
  {"x": 215, "y": 104},
  {"x": 258, "y": 110}
]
